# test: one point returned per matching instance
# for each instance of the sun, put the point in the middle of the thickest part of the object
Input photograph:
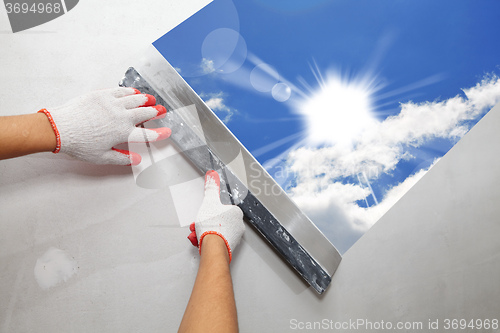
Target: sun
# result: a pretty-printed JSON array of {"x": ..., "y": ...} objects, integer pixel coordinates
[{"x": 338, "y": 110}]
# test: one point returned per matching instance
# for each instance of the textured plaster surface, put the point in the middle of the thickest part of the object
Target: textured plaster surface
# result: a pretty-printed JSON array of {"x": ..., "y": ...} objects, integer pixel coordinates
[{"x": 435, "y": 255}]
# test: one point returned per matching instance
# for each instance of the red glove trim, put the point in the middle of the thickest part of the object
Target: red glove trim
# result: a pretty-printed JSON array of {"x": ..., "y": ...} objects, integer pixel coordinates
[
  {"x": 218, "y": 234},
  {"x": 56, "y": 131}
]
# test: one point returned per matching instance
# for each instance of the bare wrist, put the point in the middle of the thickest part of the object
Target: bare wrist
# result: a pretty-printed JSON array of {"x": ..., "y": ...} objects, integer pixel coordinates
[{"x": 214, "y": 245}]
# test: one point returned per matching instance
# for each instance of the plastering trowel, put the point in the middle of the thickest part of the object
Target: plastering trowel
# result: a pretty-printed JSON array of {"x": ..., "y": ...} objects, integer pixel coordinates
[{"x": 209, "y": 144}]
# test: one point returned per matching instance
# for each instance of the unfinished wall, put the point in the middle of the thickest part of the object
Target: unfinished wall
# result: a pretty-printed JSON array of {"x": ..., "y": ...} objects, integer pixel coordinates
[{"x": 125, "y": 264}]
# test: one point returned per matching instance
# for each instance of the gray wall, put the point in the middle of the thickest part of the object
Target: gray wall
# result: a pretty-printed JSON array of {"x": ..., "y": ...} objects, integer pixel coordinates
[{"x": 129, "y": 268}]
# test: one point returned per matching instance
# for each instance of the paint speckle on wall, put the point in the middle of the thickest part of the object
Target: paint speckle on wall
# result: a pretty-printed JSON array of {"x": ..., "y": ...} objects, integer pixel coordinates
[{"x": 54, "y": 267}]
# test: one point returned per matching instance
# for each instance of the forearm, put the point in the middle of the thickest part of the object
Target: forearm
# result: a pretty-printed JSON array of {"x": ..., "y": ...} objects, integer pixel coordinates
[
  {"x": 25, "y": 134},
  {"x": 211, "y": 307}
]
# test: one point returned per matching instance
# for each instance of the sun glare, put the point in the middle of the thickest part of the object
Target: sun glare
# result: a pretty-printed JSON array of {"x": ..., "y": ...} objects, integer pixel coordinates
[{"x": 338, "y": 110}]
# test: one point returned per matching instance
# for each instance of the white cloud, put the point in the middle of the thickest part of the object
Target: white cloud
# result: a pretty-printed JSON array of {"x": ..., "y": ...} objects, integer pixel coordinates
[
  {"x": 331, "y": 209},
  {"x": 217, "y": 104},
  {"x": 334, "y": 210},
  {"x": 207, "y": 66},
  {"x": 373, "y": 213},
  {"x": 320, "y": 173},
  {"x": 485, "y": 93}
]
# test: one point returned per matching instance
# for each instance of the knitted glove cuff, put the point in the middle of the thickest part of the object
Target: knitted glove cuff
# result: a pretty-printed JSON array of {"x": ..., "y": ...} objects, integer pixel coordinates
[{"x": 54, "y": 128}]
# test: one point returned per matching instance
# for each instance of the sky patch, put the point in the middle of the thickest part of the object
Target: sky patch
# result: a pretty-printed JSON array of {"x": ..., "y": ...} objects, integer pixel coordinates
[{"x": 347, "y": 104}]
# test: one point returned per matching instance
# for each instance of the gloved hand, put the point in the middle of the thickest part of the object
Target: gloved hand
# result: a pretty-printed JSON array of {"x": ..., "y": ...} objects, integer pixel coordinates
[
  {"x": 213, "y": 217},
  {"x": 89, "y": 126}
]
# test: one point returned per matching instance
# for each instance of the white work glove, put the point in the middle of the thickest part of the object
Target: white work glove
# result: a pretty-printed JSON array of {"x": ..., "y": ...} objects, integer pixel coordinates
[
  {"x": 89, "y": 126},
  {"x": 213, "y": 217}
]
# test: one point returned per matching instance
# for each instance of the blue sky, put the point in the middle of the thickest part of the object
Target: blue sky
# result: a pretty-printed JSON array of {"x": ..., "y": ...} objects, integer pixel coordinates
[{"x": 271, "y": 70}]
